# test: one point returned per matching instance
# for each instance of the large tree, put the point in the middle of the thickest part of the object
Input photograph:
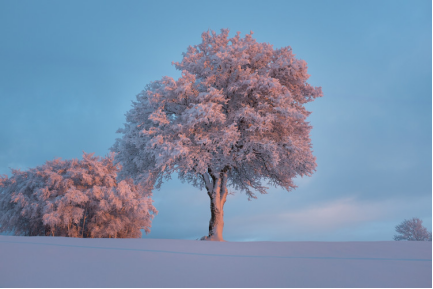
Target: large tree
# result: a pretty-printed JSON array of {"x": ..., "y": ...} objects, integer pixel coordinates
[{"x": 235, "y": 117}]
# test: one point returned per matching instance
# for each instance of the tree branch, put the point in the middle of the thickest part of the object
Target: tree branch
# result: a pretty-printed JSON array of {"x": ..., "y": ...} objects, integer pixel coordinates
[{"x": 207, "y": 182}]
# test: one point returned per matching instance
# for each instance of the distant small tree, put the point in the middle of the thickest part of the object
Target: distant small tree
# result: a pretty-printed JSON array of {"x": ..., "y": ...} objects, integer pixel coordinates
[
  {"x": 412, "y": 230},
  {"x": 74, "y": 198}
]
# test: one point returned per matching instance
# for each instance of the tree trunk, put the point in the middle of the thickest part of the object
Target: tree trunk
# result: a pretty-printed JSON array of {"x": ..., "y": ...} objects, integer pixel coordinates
[{"x": 217, "y": 192}]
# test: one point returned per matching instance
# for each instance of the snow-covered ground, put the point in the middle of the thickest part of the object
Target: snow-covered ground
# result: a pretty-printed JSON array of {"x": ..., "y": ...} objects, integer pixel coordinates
[{"x": 70, "y": 262}]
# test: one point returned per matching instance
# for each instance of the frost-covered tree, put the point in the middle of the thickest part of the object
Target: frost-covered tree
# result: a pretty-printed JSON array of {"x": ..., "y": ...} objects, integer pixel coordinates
[
  {"x": 75, "y": 198},
  {"x": 412, "y": 230},
  {"x": 235, "y": 117}
]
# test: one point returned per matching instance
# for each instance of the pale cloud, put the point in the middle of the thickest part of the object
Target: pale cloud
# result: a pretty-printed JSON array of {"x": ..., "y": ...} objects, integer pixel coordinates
[
  {"x": 334, "y": 214},
  {"x": 349, "y": 212}
]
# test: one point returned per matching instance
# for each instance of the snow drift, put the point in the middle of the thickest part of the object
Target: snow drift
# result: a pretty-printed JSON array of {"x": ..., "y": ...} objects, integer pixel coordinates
[{"x": 73, "y": 262}]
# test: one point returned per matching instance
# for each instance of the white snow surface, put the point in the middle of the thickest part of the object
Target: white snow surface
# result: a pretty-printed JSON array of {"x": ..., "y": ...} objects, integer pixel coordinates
[{"x": 74, "y": 262}]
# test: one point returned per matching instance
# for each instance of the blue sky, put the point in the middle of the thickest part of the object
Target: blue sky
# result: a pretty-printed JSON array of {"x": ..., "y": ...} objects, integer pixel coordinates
[{"x": 70, "y": 69}]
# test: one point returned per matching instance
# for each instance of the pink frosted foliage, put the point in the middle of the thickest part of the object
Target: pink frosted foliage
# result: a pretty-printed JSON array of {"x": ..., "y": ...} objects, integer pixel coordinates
[
  {"x": 412, "y": 230},
  {"x": 75, "y": 198},
  {"x": 235, "y": 117},
  {"x": 238, "y": 105}
]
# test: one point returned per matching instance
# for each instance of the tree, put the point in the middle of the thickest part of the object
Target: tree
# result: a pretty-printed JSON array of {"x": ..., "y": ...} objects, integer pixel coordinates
[
  {"x": 235, "y": 117},
  {"x": 412, "y": 230},
  {"x": 75, "y": 198}
]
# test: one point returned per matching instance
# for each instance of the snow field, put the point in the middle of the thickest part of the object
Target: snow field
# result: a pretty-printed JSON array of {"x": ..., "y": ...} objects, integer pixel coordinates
[{"x": 74, "y": 262}]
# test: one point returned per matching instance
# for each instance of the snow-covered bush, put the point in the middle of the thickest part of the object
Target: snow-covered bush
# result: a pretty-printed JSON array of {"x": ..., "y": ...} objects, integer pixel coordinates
[
  {"x": 75, "y": 198},
  {"x": 412, "y": 230}
]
